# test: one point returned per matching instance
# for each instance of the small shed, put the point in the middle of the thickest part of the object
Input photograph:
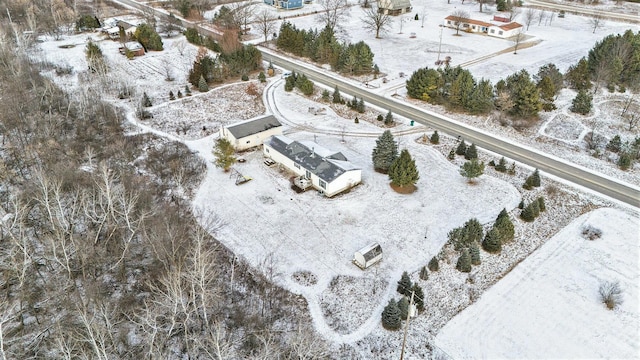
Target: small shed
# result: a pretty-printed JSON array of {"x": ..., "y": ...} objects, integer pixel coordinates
[
  {"x": 368, "y": 255},
  {"x": 133, "y": 47}
]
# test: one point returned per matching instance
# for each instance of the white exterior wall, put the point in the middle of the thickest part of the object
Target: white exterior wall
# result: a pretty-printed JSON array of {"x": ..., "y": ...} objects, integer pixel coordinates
[
  {"x": 495, "y": 31},
  {"x": 269, "y": 152},
  {"x": 250, "y": 141}
]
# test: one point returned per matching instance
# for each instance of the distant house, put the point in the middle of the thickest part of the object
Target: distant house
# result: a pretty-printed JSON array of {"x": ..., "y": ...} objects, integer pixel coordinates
[
  {"x": 506, "y": 30},
  {"x": 132, "y": 47},
  {"x": 251, "y": 133},
  {"x": 469, "y": 25},
  {"x": 285, "y": 4},
  {"x": 327, "y": 171},
  {"x": 394, "y": 7},
  {"x": 113, "y": 32}
]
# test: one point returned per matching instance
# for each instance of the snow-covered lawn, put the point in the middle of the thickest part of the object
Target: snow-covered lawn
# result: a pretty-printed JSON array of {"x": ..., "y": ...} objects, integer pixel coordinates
[{"x": 549, "y": 306}]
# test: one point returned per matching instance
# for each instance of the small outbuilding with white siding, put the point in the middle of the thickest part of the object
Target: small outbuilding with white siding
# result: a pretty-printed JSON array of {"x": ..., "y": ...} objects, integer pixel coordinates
[
  {"x": 368, "y": 255},
  {"x": 325, "y": 170},
  {"x": 251, "y": 133}
]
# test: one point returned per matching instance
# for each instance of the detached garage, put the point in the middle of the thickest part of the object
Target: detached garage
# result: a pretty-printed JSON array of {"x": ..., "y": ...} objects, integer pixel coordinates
[
  {"x": 367, "y": 256},
  {"x": 251, "y": 133}
]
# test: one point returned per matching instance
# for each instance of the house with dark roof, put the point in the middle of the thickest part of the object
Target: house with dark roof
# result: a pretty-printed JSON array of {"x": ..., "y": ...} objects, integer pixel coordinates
[
  {"x": 394, "y": 7},
  {"x": 251, "y": 133},
  {"x": 325, "y": 170}
]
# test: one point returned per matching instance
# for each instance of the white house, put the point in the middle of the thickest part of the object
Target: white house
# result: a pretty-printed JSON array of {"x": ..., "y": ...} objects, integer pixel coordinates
[
  {"x": 327, "y": 171},
  {"x": 506, "y": 30},
  {"x": 394, "y": 7},
  {"x": 468, "y": 25},
  {"x": 367, "y": 256},
  {"x": 251, "y": 133}
]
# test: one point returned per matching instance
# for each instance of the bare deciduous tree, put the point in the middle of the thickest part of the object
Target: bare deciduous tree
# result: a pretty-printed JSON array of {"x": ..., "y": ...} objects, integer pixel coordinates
[
  {"x": 541, "y": 16},
  {"x": 242, "y": 13},
  {"x": 376, "y": 21},
  {"x": 517, "y": 40},
  {"x": 265, "y": 23},
  {"x": 458, "y": 18},
  {"x": 333, "y": 11},
  {"x": 596, "y": 21},
  {"x": 529, "y": 16}
]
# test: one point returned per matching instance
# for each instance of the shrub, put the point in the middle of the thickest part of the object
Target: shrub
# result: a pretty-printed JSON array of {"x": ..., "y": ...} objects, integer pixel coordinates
[
  {"x": 403, "y": 305},
  {"x": 435, "y": 138},
  {"x": 433, "y": 264},
  {"x": 474, "y": 252},
  {"x": 391, "y": 316},
  {"x": 404, "y": 284},
  {"x": 464, "y": 261},
  {"x": 245, "y": 77},
  {"x": 146, "y": 101},
  {"x": 610, "y": 294},
  {"x": 625, "y": 161},
  {"x": 380, "y": 117},
  {"x": 252, "y": 89},
  {"x": 325, "y": 95},
  {"x": 491, "y": 242},
  {"x": 262, "y": 77},
  {"x": 462, "y": 148},
  {"x": 424, "y": 273},
  {"x": 591, "y": 233}
]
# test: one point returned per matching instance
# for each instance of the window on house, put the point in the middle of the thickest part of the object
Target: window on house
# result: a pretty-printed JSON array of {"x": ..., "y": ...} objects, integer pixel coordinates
[
  {"x": 492, "y": 31},
  {"x": 323, "y": 184},
  {"x": 308, "y": 175},
  {"x": 499, "y": 32}
]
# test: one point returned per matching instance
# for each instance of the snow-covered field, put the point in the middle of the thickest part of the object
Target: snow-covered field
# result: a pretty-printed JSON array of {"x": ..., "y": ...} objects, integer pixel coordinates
[
  {"x": 307, "y": 241},
  {"x": 548, "y": 307}
]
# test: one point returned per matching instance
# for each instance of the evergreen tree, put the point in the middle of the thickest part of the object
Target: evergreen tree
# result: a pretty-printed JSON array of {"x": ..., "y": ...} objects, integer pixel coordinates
[
  {"x": 187, "y": 90},
  {"x": 471, "y": 153},
  {"x": 360, "y": 106},
  {"x": 541, "y": 205},
  {"x": 505, "y": 226},
  {"x": 615, "y": 144},
  {"x": 582, "y": 103},
  {"x": 180, "y": 94},
  {"x": 535, "y": 208},
  {"x": 491, "y": 242},
  {"x": 336, "y": 98},
  {"x": 461, "y": 91},
  {"x": 625, "y": 160},
  {"x": 424, "y": 84},
  {"x": 551, "y": 71},
  {"x": 521, "y": 204},
  {"x": 452, "y": 154},
  {"x": 474, "y": 253},
  {"x": 501, "y": 5},
  {"x": 223, "y": 151},
  {"x": 403, "y": 305},
  {"x": 385, "y": 152},
  {"x": 148, "y": 37},
  {"x": 356, "y": 120},
  {"x": 512, "y": 169},
  {"x": 547, "y": 93},
  {"x": 433, "y": 264},
  {"x": 388, "y": 119},
  {"x": 528, "y": 183},
  {"x": 472, "y": 169},
  {"x": 464, "y": 261},
  {"x": 435, "y": 138},
  {"x": 578, "y": 76},
  {"x": 325, "y": 95},
  {"x": 424, "y": 273},
  {"x": 146, "y": 101},
  {"x": 391, "y": 316},
  {"x": 95, "y": 58},
  {"x": 482, "y": 98},
  {"x": 524, "y": 94},
  {"x": 462, "y": 148},
  {"x": 262, "y": 77},
  {"x": 418, "y": 297},
  {"x": 202, "y": 84},
  {"x": 404, "y": 284},
  {"x": 535, "y": 178},
  {"x": 403, "y": 170},
  {"x": 380, "y": 117},
  {"x": 472, "y": 231},
  {"x": 527, "y": 214},
  {"x": 171, "y": 95},
  {"x": 502, "y": 165}
]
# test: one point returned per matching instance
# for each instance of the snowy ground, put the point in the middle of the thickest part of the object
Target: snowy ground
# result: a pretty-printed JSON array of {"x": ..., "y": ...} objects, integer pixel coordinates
[
  {"x": 310, "y": 239},
  {"x": 549, "y": 307}
]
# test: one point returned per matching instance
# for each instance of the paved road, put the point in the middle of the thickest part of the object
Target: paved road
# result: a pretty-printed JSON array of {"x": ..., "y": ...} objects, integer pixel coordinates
[
  {"x": 579, "y": 175},
  {"x": 616, "y": 189},
  {"x": 634, "y": 18}
]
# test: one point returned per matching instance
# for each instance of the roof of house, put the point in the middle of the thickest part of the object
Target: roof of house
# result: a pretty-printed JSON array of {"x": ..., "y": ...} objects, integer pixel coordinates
[
  {"x": 510, "y": 26},
  {"x": 328, "y": 165},
  {"x": 253, "y": 126},
  {"x": 133, "y": 46},
  {"x": 394, "y": 4},
  {"x": 468, "y": 21}
]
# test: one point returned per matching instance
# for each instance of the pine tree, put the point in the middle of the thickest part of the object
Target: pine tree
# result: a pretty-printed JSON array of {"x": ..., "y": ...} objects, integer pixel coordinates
[
  {"x": 360, "y": 107},
  {"x": 202, "y": 84},
  {"x": 187, "y": 90},
  {"x": 528, "y": 183},
  {"x": 464, "y": 261},
  {"x": 527, "y": 214},
  {"x": 336, "y": 97},
  {"x": 424, "y": 273},
  {"x": 535, "y": 178},
  {"x": 433, "y": 264},
  {"x": 404, "y": 284},
  {"x": 418, "y": 297},
  {"x": 391, "y": 316},
  {"x": 435, "y": 138},
  {"x": 625, "y": 160},
  {"x": 541, "y": 205},
  {"x": 582, "y": 103},
  {"x": 403, "y": 171},
  {"x": 535, "y": 208},
  {"x": 385, "y": 152},
  {"x": 512, "y": 169},
  {"x": 452, "y": 154},
  {"x": 615, "y": 144},
  {"x": 356, "y": 120},
  {"x": 502, "y": 165},
  {"x": 262, "y": 77},
  {"x": 471, "y": 153},
  {"x": 462, "y": 148},
  {"x": 146, "y": 101},
  {"x": 325, "y": 95},
  {"x": 472, "y": 169},
  {"x": 461, "y": 90},
  {"x": 474, "y": 253},
  {"x": 505, "y": 226},
  {"x": 578, "y": 76},
  {"x": 403, "y": 305},
  {"x": 171, "y": 95},
  {"x": 521, "y": 204},
  {"x": 179, "y": 94},
  {"x": 380, "y": 117},
  {"x": 223, "y": 151},
  {"x": 491, "y": 242},
  {"x": 525, "y": 95},
  {"x": 547, "y": 93},
  {"x": 388, "y": 119},
  {"x": 472, "y": 231}
]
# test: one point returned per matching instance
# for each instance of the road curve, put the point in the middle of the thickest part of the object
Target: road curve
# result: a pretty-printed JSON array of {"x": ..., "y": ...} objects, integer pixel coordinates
[
  {"x": 616, "y": 189},
  {"x": 555, "y": 166}
]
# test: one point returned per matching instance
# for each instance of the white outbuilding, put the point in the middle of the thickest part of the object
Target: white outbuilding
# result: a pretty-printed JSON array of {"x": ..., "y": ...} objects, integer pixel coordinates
[
  {"x": 251, "y": 133},
  {"x": 368, "y": 255}
]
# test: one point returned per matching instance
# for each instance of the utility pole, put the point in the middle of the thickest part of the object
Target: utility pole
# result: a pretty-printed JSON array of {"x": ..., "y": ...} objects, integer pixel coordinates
[{"x": 406, "y": 326}]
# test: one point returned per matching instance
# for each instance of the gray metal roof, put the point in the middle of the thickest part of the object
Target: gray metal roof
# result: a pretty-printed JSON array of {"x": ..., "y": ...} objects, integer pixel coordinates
[
  {"x": 253, "y": 126},
  {"x": 326, "y": 164}
]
